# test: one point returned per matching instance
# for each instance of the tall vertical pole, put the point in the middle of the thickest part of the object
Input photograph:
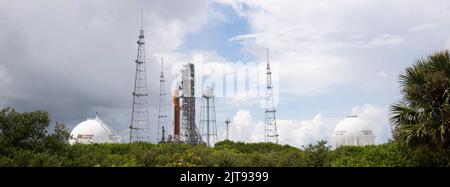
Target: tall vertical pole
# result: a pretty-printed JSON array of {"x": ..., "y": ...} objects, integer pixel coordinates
[
  {"x": 142, "y": 19},
  {"x": 163, "y": 137},
  {"x": 227, "y": 122},
  {"x": 207, "y": 122}
]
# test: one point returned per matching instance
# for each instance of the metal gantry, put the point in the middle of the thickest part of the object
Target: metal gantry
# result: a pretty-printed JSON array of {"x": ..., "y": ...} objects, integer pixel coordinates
[
  {"x": 270, "y": 127},
  {"x": 139, "y": 118},
  {"x": 189, "y": 131}
]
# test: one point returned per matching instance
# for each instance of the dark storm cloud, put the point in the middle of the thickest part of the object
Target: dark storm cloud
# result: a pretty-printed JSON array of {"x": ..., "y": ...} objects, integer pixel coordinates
[{"x": 73, "y": 58}]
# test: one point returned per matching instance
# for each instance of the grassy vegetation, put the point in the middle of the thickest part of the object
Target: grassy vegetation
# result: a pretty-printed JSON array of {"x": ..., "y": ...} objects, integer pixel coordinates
[{"x": 227, "y": 153}]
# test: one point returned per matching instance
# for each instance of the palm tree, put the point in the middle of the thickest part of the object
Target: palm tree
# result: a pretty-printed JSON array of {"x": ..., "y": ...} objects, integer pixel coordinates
[{"x": 421, "y": 119}]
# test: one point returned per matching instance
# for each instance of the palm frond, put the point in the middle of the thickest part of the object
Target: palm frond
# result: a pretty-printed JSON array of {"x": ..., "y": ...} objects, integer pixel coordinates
[
  {"x": 440, "y": 61},
  {"x": 422, "y": 117}
]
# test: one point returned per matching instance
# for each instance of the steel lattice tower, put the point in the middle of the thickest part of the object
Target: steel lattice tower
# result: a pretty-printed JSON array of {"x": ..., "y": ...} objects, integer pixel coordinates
[
  {"x": 139, "y": 119},
  {"x": 270, "y": 127},
  {"x": 208, "y": 127},
  {"x": 162, "y": 111}
]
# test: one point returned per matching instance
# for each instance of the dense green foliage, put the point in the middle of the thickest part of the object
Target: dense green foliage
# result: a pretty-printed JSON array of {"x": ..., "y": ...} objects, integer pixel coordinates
[
  {"x": 25, "y": 142},
  {"x": 421, "y": 119}
]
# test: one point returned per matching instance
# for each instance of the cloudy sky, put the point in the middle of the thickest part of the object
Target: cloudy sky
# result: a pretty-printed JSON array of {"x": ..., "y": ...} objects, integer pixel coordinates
[{"x": 333, "y": 58}]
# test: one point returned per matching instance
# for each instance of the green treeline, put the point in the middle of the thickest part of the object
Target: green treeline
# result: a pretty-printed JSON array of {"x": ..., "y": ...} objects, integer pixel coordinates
[{"x": 24, "y": 141}]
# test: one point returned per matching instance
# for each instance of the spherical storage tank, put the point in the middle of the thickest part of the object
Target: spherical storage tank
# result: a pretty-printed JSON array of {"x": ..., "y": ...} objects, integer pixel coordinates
[
  {"x": 93, "y": 130},
  {"x": 352, "y": 131}
]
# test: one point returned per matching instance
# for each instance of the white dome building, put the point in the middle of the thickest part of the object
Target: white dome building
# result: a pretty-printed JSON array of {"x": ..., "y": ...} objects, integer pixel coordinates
[
  {"x": 93, "y": 130},
  {"x": 352, "y": 131}
]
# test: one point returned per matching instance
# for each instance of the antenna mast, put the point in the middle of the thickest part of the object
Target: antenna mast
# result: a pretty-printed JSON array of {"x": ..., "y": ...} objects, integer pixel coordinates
[
  {"x": 142, "y": 19},
  {"x": 227, "y": 122}
]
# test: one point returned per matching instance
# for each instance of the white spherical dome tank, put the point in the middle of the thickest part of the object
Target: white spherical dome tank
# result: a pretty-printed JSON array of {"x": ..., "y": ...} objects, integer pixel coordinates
[
  {"x": 352, "y": 131},
  {"x": 93, "y": 130}
]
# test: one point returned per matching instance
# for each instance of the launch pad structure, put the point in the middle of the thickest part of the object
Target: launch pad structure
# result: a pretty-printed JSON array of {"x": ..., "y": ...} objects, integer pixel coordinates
[
  {"x": 185, "y": 129},
  {"x": 189, "y": 131}
]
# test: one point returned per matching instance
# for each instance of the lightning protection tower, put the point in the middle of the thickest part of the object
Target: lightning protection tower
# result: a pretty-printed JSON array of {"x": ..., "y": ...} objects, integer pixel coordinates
[
  {"x": 162, "y": 111},
  {"x": 208, "y": 127},
  {"x": 270, "y": 127},
  {"x": 139, "y": 118}
]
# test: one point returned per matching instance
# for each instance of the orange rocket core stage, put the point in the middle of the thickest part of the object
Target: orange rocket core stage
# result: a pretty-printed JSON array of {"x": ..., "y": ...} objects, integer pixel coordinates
[{"x": 176, "y": 116}]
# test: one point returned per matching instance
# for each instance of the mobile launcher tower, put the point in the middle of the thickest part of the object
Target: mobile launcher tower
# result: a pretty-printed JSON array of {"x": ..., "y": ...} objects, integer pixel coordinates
[{"x": 188, "y": 131}]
